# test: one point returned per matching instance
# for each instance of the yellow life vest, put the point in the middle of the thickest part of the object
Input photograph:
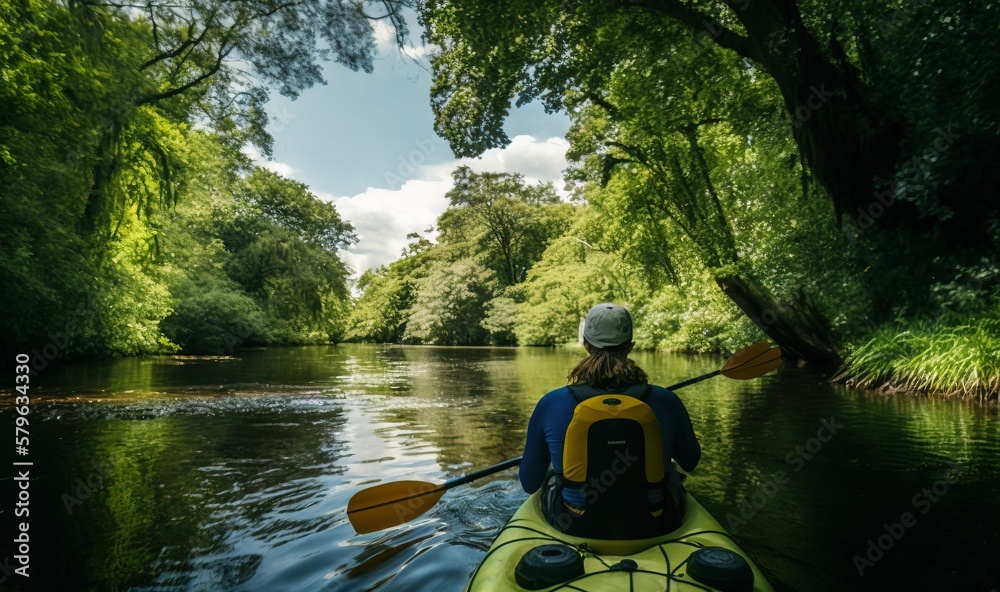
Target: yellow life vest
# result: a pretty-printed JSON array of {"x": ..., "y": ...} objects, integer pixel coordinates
[
  {"x": 613, "y": 483},
  {"x": 613, "y": 427}
]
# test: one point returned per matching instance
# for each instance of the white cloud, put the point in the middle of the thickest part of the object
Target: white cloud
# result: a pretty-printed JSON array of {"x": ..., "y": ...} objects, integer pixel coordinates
[
  {"x": 537, "y": 160},
  {"x": 382, "y": 217},
  {"x": 281, "y": 168},
  {"x": 385, "y": 41}
]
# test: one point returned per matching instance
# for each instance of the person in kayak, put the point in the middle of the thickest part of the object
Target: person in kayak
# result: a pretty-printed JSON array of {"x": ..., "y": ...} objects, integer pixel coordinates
[{"x": 609, "y": 437}]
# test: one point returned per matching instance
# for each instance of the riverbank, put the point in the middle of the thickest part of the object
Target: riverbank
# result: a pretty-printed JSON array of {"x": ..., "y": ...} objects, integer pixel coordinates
[
  {"x": 936, "y": 357},
  {"x": 950, "y": 360}
]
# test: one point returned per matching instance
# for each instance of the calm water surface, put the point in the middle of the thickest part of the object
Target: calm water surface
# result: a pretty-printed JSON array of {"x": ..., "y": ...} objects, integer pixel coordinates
[{"x": 176, "y": 474}]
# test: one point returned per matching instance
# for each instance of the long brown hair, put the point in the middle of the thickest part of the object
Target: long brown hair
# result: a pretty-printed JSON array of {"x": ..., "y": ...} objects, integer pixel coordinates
[{"x": 608, "y": 367}]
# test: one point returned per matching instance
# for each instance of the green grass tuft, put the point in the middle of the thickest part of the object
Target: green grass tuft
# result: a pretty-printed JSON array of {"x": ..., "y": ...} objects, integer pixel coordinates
[{"x": 954, "y": 360}]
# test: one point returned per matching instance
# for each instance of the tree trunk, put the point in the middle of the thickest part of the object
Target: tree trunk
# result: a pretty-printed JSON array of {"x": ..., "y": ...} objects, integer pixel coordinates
[
  {"x": 99, "y": 209},
  {"x": 795, "y": 325},
  {"x": 829, "y": 107}
]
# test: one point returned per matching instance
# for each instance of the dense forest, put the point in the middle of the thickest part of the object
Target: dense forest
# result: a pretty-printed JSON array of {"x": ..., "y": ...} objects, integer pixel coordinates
[
  {"x": 819, "y": 173},
  {"x": 132, "y": 221}
]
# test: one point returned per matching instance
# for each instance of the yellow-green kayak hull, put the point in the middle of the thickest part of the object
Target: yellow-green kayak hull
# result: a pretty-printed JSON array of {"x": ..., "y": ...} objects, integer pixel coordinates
[{"x": 659, "y": 563}]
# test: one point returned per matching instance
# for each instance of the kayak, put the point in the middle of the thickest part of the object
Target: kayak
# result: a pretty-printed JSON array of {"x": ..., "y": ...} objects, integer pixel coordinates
[{"x": 528, "y": 554}]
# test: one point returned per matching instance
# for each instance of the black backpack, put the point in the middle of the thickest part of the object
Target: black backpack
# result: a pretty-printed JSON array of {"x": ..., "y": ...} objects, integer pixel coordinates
[{"x": 613, "y": 455}]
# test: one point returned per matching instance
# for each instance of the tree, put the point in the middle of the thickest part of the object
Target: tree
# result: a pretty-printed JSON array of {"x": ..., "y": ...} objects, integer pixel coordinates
[
  {"x": 571, "y": 277},
  {"x": 844, "y": 76},
  {"x": 699, "y": 171},
  {"x": 829, "y": 64},
  {"x": 214, "y": 62},
  {"x": 284, "y": 244},
  {"x": 44, "y": 264},
  {"x": 448, "y": 309},
  {"x": 382, "y": 311},
  {"x": 507, "y": 221},
  {"x": 665, "y": 73},
  {"x": 500, "y": 319},
  {"x": 102, "y": 107},
  {"x": 211, "y": 313}
]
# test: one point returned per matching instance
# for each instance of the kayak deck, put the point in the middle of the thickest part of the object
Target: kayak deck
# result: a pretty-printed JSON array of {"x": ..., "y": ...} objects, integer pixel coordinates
[{"x": 659, "y": 563}]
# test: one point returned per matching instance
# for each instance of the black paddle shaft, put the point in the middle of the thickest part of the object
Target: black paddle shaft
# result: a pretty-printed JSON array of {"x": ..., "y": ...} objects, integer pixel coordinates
[
  {"x": 690, "y": 381},
  {"x": 487, "y": 471}
]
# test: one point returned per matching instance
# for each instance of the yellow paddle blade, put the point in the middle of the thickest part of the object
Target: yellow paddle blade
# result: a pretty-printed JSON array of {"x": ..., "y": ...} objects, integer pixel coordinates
[
  {"x": 751, "y": 362},
  {"x": 391, "y": 504}
]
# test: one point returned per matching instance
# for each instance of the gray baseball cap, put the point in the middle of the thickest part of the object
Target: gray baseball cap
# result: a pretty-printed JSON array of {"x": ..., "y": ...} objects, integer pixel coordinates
[{"x": 607, "y": 325}]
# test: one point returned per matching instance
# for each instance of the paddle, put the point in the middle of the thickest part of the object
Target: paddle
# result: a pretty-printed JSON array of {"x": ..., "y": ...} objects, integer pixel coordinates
[{"x": 392, "y": 504}]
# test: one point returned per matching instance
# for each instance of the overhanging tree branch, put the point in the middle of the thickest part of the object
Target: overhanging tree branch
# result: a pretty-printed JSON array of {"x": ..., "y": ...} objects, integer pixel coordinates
[
  {"x": 702, "y": 24},
  {"x": 190, "y": 42},
  {"x": 153, "y": 98}
]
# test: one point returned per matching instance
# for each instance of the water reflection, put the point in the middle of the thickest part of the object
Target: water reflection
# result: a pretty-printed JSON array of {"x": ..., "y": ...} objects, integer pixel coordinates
[{"x": 233, "y": 473}]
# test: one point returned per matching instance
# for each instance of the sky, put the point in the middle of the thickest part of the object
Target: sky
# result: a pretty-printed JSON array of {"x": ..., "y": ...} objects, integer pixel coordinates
[{"x": 366, "y": 143}]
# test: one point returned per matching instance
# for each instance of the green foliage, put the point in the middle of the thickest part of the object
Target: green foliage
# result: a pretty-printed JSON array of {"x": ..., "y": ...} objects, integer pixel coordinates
[
  {"x": 216, "y": 322},
  {"x": 937, "y": 62},
  {"x": 380, "y": 314},
  {"x": 495, "y": 229},
  {"x": 682, "y": 194},
  {"x": 847, "y": 79},
  {"x": 719, "y": 130},
  {"x": 55, "y": 98},
  {"x": 501, "y": 221},
  {"x": 128, "y": 212},
  {"x": 500, "y": 319},
  {"x": 930, "y": 356},
  {"x": 449, "y": 307},
  {"x": 382, "y": 311},
  {"x": 266, "y": 198},
  {"x": 258, "y": 265},
  {"x": 971, "y": 290},
  {"x": 693, "y": 317},
  {"x": 99, "y": 159},
  {"x": 124, "y": 311},
  {"x": 955, "y": 352},
  {"x": 576, "y": 272},
  {"x": 572, "y": 276},
  {"x": 45, "y": 266}
]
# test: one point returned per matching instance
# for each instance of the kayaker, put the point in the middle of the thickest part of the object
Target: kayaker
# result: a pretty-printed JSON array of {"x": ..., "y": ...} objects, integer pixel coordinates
[{"x": 615, "y": 487}]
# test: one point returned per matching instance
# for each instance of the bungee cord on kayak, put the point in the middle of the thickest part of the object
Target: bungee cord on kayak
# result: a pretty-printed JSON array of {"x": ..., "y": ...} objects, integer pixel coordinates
[{"x": 607, "y": 576}]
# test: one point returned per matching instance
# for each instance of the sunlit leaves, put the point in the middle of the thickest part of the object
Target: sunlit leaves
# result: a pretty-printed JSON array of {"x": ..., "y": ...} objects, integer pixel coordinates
[
  {"x": 382, "y": 311},
  {"x": 448, "y": 309},
  {"x": 506, "y": 222}
]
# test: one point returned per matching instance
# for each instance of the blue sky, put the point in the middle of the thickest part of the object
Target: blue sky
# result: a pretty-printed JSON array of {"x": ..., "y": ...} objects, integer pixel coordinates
[{"x": 366, "y": 143}]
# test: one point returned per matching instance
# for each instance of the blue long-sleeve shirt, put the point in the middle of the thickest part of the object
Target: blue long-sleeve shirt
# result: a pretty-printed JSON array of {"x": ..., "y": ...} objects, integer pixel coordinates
[{"x": 553, "y": 412}]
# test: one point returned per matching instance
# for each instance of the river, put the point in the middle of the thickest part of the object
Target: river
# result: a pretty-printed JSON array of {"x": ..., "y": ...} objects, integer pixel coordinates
[{"x": 190, "y": 474}]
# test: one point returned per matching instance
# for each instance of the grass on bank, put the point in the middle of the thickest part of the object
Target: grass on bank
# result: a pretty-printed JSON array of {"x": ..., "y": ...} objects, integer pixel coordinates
[{"x": 955, "y": 360}]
